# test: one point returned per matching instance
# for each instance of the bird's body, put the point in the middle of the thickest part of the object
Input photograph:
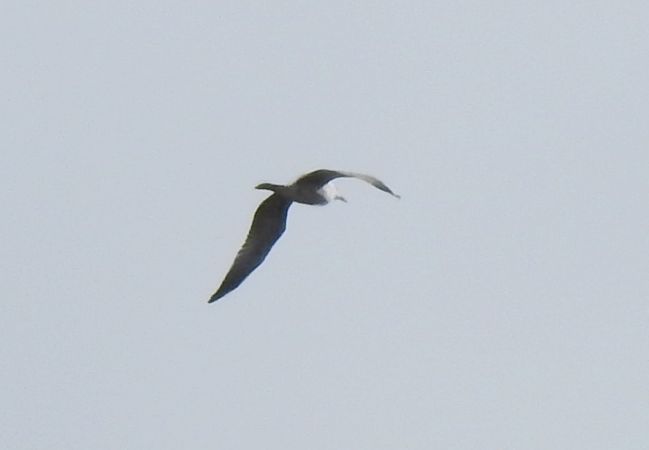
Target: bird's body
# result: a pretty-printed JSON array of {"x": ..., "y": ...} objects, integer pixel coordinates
[
  {"x": 269, "y": 221},
  {"x": 298, "y": 194}
]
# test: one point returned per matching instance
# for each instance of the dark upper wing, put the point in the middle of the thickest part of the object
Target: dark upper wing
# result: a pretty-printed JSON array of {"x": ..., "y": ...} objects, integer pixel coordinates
[
  {"x": 267, "y": 226},
  {"x": 318, "y": 178}
]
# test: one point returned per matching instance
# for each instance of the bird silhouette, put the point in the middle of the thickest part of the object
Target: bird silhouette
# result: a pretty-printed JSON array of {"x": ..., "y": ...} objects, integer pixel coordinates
[{"x": 269, "y": 221}]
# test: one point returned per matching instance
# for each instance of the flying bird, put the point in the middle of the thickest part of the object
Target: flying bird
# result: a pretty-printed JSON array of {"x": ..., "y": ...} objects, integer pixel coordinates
[{"x": 269, "y": 221}]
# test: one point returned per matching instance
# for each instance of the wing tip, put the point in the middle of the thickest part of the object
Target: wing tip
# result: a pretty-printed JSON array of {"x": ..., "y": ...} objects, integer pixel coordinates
[
  {"x": 384, "y": 188},
  {"x": 215, "y": 297}
]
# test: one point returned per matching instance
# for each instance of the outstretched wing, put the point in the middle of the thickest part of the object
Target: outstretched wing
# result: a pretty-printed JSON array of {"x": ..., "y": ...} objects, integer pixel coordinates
[
  {"x": 267, "y": 226},
  {"x": 318, "y": 178}
]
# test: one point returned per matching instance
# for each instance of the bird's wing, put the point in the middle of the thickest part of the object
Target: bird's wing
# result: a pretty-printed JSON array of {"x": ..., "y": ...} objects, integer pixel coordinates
[
  {"x": 318, "y": 178},
  {"x": 267, "y": 226}
]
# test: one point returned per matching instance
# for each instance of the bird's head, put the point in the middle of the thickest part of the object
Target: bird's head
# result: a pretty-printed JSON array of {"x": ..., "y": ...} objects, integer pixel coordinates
[{"x": 268, "y": 187}]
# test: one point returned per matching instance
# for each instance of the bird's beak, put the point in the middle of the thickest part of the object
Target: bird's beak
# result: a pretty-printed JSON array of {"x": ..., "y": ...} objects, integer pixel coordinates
[{"x": 341, "y": 198}]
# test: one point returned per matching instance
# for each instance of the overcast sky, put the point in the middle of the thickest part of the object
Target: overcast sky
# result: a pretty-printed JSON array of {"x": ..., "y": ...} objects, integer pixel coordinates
[{"x": 501, "y": 304}]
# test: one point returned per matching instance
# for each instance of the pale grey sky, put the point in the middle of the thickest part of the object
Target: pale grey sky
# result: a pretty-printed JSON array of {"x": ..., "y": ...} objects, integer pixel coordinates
[{"x": 501, "y": 304}]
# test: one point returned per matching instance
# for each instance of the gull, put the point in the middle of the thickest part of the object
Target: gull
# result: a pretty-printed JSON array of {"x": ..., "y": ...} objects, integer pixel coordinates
[{"x": 269, "y": 221}]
